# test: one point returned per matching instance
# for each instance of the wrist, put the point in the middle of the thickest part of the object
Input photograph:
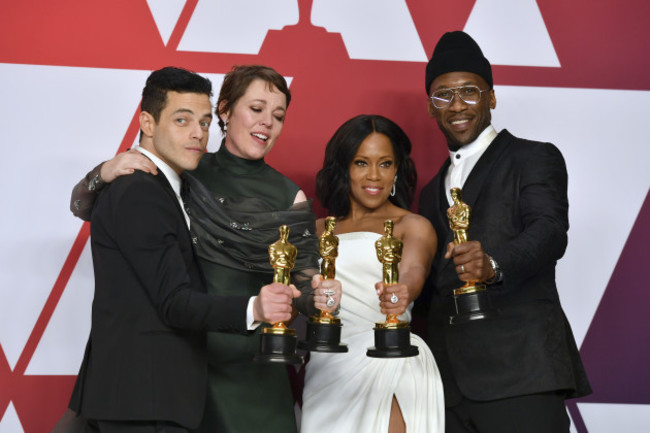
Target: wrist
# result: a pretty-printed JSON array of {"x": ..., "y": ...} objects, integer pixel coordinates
[{"x": 496, "y": 269}]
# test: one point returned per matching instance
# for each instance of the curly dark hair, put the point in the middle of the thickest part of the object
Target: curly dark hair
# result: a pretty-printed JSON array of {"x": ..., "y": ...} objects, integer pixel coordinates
[
  {"x": 236, "y": 82},
  {"x": 333, "y": 180}
]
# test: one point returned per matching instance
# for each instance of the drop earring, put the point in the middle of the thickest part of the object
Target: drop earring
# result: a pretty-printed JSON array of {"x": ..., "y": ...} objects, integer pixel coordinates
[{"x": 392, "y": 193}]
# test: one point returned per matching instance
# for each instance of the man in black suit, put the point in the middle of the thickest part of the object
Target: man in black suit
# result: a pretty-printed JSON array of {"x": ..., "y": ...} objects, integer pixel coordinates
[
  {"x": 511, "y": 372},
  {"x": 145, "y": 367}
]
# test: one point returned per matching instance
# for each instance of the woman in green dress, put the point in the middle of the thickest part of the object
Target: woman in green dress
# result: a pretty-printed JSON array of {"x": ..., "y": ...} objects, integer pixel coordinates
[{"x": 237, "y": 202}]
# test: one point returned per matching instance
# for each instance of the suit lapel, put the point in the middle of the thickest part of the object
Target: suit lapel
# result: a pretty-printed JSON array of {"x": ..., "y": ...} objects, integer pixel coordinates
[
  {"x": 442, "y": 205},
  {"x": 472, "y": 187},
  {"x": 167, "y": 186},
  {"x": 481, "y": 171},
  {"x": 164, "y": 182}
]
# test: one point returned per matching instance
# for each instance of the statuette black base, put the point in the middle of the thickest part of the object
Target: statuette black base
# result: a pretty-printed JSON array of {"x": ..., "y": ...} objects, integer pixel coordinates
[
  {"x": 323, "y": 337},
  {"x": 278, "y": 348},
  {"x": 472, "y": 306},
  {"x": 392, "y": 343}
]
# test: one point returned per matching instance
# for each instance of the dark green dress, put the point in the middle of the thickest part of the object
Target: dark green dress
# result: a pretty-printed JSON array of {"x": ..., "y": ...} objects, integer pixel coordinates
[{"x": 232, "y": 247}]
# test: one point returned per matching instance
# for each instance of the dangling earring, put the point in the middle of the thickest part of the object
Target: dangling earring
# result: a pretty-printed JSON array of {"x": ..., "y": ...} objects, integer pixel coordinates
[
  {"x": 225, "y": 128},
  {"x": 392, "y": 193}
]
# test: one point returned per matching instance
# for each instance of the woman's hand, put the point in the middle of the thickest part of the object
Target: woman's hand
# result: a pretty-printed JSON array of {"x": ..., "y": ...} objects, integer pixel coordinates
[
  {"x": 126, "y": 163},
  {"x": 326, "y": 291},
  {"x": 393, "y": 299}
]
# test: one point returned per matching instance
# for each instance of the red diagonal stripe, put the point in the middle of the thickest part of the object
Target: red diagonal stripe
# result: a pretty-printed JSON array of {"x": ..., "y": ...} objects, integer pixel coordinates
[
  {"x": 53, "y": 299},
  {"x": 66, "y": 271},
  {"x": 6, "y": 383},
  {"x": 181, "y": 24}
]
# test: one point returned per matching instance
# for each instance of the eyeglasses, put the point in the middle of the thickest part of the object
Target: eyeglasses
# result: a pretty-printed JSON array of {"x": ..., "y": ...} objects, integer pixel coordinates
[{"x": 442, "y": 98}]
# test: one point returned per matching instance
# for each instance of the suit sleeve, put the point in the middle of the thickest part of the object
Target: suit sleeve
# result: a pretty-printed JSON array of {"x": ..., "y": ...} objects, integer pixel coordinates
[
  {"x": 83, "y": 198},
  {"x": 305, "y": 302},
  {"x": 542, "y": 205},
  {"x": 148, "y": 230}
]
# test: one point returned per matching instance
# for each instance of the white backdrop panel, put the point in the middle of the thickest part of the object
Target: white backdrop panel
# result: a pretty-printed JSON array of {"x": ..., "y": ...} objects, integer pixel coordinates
[
  {"x": 607, "y": 168},
  {"x": 59, "y": 119}
]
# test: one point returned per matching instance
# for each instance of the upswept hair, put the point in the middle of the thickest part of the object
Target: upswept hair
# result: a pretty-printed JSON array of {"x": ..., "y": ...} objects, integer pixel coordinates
[
  {"x": 333, "y": 179},
  {"x": 154, "y": 94},
  {"x": 236, "y": 82}
]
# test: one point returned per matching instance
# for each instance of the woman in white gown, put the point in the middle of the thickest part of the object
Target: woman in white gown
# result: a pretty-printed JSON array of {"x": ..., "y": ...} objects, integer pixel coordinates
[{"x": 367, "y": 178}]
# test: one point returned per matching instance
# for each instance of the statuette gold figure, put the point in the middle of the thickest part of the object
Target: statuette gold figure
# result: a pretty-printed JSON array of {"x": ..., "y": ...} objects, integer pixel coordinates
[
  {"x": 389, "y": 253},
  {"x": 278, "y": 343},
  {"x": 459, "y": 218},
  {"x": 393, "y": 336},
  {"x": 324, "y": 330},
  {"x": 472, "y": 300}
]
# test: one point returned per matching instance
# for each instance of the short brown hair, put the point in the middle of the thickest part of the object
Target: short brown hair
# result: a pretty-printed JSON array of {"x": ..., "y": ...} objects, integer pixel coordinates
[{"x": 236, "y": 82}]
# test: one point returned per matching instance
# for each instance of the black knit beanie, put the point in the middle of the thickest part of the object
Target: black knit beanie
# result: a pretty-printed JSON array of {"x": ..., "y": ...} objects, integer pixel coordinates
[{"x": 457, "y": 52}]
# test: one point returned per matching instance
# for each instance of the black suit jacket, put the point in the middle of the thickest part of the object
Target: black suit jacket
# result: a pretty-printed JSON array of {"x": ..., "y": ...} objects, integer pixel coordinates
[
  {"x": 146, "y": 356},
  {"x": 517, "y": 193}
]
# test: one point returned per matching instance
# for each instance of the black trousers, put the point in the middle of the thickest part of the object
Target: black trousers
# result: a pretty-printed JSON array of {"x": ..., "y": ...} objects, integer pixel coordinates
[
  {"x": 537, "y": 413},
  {"x": 94, "y": 426}
]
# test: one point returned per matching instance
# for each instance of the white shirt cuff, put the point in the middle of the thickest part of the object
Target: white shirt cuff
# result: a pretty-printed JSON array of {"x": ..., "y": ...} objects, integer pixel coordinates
[{"x": 251, "y": 323}]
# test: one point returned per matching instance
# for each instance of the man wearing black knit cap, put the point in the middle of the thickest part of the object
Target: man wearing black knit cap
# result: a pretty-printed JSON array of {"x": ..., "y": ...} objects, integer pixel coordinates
[{"x": 511, "y": 372}]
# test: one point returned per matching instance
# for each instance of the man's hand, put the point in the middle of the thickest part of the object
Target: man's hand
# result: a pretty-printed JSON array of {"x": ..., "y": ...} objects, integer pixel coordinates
[
  {"x": 322, "y": 288},
  {"x": 126, "y": 163},
  {"x": 472, "y": 263},
  {"x": 274, "y": 303}
]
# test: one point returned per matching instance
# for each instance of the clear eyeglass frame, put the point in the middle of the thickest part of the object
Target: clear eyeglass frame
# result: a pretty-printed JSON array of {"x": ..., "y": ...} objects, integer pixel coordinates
[{"x": 470, "y": 94}]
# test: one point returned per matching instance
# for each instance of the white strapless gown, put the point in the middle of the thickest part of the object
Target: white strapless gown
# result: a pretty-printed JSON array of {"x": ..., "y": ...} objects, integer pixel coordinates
[{"x": 352, "y": 393}]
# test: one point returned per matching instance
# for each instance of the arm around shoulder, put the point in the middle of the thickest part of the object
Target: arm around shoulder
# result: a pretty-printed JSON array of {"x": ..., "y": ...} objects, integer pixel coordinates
[{"x": 85, "y": 193}]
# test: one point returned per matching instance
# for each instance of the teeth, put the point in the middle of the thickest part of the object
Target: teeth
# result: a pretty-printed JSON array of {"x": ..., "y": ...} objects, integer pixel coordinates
[
  {"x": 260, "y": 136},
  {"x": 456, "y": 122}
]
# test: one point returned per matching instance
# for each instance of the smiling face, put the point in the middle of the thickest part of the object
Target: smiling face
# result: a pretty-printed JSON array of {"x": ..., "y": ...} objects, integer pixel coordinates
[
  {"x": 460, "y": 122},
  {"x": 372, "y": 172},
  {"x": 181, "y": 134},
  {"x": 255, "y": 121}
]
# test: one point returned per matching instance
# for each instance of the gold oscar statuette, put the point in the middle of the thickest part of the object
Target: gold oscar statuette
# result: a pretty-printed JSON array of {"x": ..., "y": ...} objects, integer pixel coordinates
[
  {"x": 329, "y": 250},
  {"x": 324, "y": 330},
  {"x": 472, "y": 299},
  {"x": 459, "y": 218},
  {"x": 389, "y": 253},
  {"x": 392, "y": 337},
  {"x": 282, "y": 256},
  {"x": 278, "y": 342}
]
